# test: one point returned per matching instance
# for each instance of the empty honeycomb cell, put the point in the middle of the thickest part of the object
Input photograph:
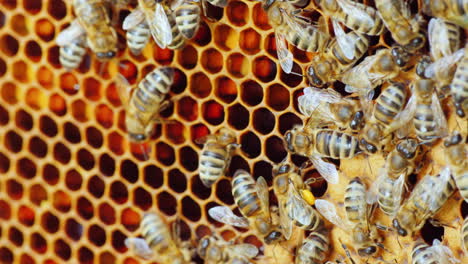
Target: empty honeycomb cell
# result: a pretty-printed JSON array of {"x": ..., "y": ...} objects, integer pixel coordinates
[
  {"x": 26, "y": 168},
  {"x": 188, "y": 158},
  {"x": 9, "y": 93},
  {"x": 3, "y": 67},
  {"x": 212, "y": 60},
  {"x": 50, "y": 174},
  {"x": 9, "y": 4},
  {"x": 301, "y": 55},
  {"x": 5, "y": 210},
  {"x": 262, "y": 168},
  {"x": 203, "y": 36},
  {"x": 104, "y": 115},
  {"x": 85, "y": 255},
  {"x": 237, "y": 65},
  {"x": 38, "y": 194},
  {"x": 250, "y": 144},
  {"x": 62, "y": 153},
  {"x": 92, "y": 89},
  {"x": 292, "y": 80},
  {"x": 430, "y": 232},
  {"x": 237, "y": 162},
  {"x": 73, "y": 229},
  {"x": 237, "y": 13},
  {"x": 163, "y": 56},
  {"x": 45, "y": 77},
  {"x": 85, "y": 159},
  {"x": 26, "y": 215},
  {"x": 187, "y": 108},
  {"x": 85, "y": 208},
  {"x": 57, "y": 9},
  {"x": 225, "y": 37},
  {"x": 96, "y": 186},
  {"x": 18, "y": 24},
  {"x": 213, "y": 112},
  {"x": 225, "y": 89},
  {"x": 62, "y": 201},
  {"x": 94, "y": 137},
  {"x": 33, "y": 51},
  {"x": 6, "y": 256},
  {"x": 188, "y": 57},
  {"x": 107, "y": 257},
  {"x": 177, "y": 181},
  {"x": 130, "y": 219},
  {"x": 180, "y": 81},
  {"x": 129, "y": 171},
  {"x": 118, "y": 192},
  {"x": 166, "y": 203},
  {"x": 251, "y": 92},
  {"x": 4, "y": 116},
  {"x": 62, "y": 249},
  {"x": 9, "y": 45},
  {"x": 175, "y": 132},
  {"x": 260, "y": 17},
  {"x": 464, "y": 209},
  {"x": 14, "y": 189},
  {"x": 32, "y": 7},
  {"x": 45, "y": 30},
  {"x": 38, "y": 243},
  {"x": 50, "y": 222},
  {"x": 53, "y": 57},
  {"x": 223, "y": 191},
  {"x": 191, "y": 209},
  {"x": 106, "y": 213},
  {"x": 142, "y": 198},
  {"x": 264, "y": 69},
  {"x": 106, "y": 165},
  {"x": 287, "y": 122},
  {"x": 69, "y": 83},
  {"x": 274, "y": 149},
  {"x": 263, "y": 120},
  {"x": 249, "y": 41},
  {"x": 23, "y": 120},
  {"x": 277, "y": 97},
  {"x": 198, "y": 189},
  {"x": 26, "y": 259},
  {"x": 15, "y": 236},
  {"x": 153, "y": 176},
  {"x": 73, "y": 180},
  {"x": 56, "y": 104},
  {"x": 80, "y": 110},
  {"x": 200, "y": 85},
  {"x": 4, "y": 163},
  {"x": 165, "y": 153},
  {"x": 47, "y": 126},
  {"x": 13, "y": 142},
  {"x": 97, "y": 235},
  {"x": 38, "y": 147}
]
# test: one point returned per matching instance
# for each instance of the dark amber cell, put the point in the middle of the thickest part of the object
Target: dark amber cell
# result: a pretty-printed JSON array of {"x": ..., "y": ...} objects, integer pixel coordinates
[
  {"x": 106, "y": 165},
  {"x": 107, "y": 213},
  {"x": 202, "y": 231},
  {"x": 94, "y": 137},
  {"x": 264, "y": 69},
  {"x": 237, "y": 65},
  {"x": 57, "y": 9},
  {"x": 92, "y": 89},
  {"x": 26, "y": 168},
  {"x": 430, "y": 232},
  {"x": 73, "y": 180},
  {"x": 61, "y": 201},
  {"x": 118, "y": 192},
  {"x": 142, "y": 198},
  {"x": 21, "y": 71},
  {"x": 115, "y": 143},
  {"x": 198, "y": 131},
  {"x": 38, "y": 243},
  {"x": 264, "y": 169},
  {"x": 53, "y": 57},
  {"x": 38, "y": 147},
  {"x": 85, "y": 159},
  {"x": 177, "y": 181},
  {"x": 318, "y": 187},
  {"x": 47, "y": 126},
  {"x": 62, "y": 249},
  {"x": 141, "y": 151},
  {"x": 165, "y": 154},
  {"x": 249, "y": 41},
  {"x": 23, "y": 120},
  {"x": 166, "y": 203},
  {"x": 62, "y": 153},
  {"x": 188, "y": 57},
  {"x": 277, "y": 97},
  {"x": 274, "y": 149},
  {"x": 2, "y": 19},
  {"x": 301, "y": 55},
  {"x": 3, "y": 67},
  {"x": 4, "y": 117},
  {"x": 263, "y": 121},
  {"x": 112, "y": 94},
  {"x": 50, "y": 174},
  {"x": 85, "y": 255},
  {"x": 188, "y": 158},
  {"x": 251, "y": 92},
  {"x": 153, "y": 176},
  {"x": 33, "y": 51},
  {"x": 97, "y": 235},
  {"x": 237, "y": 12},
  {"x": 292, "y": 80},
  {"x": 18, "y": 24},
  {"x": 96, "y": 186},
  {"x": 107, "y": 257},
  {"x": 45, "y": 77},
  {"x": 9, "y": 4},
  {"x": 250, "y": 144},
  {"x": 5, "y": 210},
  {"x": 198, "y": 189},
  {"x": 85, "y": 208},
  {"x": 32, "y": 7},
  {"x": 163, "y": 56},
  {"x": 4, "y": 163},
  {"x": 71, "y": 133},
  {"x": 9, "y": 93},
  {"x": 14, "y": 189},
  {"x": 9, "y": 45},
  {"x": 260, "y": 17},
  {"x": 56, "y": 102},
  {"x": 50, "y": 222},
  {"x": 15, "y": 236},
  {"x": 180, "y": 81},
  {"x": 203, "y": 36},
  {"x": 45, "y": 30},
  {"x": 130, "y": 219},
  {"x": 238, "y": 116},
  {"x": 175, "y": 132},
  {"x": 237, "y": 162},
  {"x": 225, "y": 89},
  {"x": 37, "y": 194},
  {"x": 200, "y": 85},
  {"x": 128, "y": 70},
  {"x": 224, "y": 192},
  {"x": 191, "y": 209},
  {"x": 287, "y": 122},
  {"x": 80, "y": 110},
  {"x": 73, "y": 229},
  {"x": 254, "y": 241},
  {"x": 225, "y": 37},
  {"x": 270, "y": 45},
  {"x": 212, "y": 60},
  {"x": 104, "y": 115},
  {"x": 213, "y": 112},
  {"x": 129, "y": 171},
  {"x": 13, "y": 142},
  {"x": 187, "y": 108},
  {"x": 26, "y": 259},
  {"x": 69, "y": 83}
]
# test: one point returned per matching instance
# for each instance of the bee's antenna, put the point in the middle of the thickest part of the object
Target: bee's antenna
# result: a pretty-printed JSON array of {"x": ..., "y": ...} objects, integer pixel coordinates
[{"x": 298, "y": 74}]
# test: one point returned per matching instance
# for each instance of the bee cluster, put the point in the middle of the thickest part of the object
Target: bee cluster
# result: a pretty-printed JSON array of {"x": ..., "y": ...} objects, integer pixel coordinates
[{"x": 393, "y": 103}]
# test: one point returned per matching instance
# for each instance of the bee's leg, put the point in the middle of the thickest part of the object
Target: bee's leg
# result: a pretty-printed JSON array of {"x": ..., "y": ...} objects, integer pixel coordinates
[{"x": 436, "y": 222}]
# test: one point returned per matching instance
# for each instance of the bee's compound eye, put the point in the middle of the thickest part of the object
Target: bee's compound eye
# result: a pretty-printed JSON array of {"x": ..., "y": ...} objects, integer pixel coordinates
[{"x": 106, "y": 55}]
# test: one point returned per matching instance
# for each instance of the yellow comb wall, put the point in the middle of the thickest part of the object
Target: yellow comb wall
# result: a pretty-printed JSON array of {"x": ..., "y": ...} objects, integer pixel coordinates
[{"x": 72, "y": 188}]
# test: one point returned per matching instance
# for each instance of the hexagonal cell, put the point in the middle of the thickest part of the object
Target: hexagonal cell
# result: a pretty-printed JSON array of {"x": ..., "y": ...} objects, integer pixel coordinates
[
  {"x": 237, "y": 65},
  {"x": 163, "y": 56},
  {"x": 177, "y": 181},
  {"x": 301, "y": 55},
  {"x": 45, "y": 30},
  {"x": 200, "y": 85},
  {"x": 249, "y": 41},
  {"x": 53, "y": 55},
  {"x": 237, "y": 13},
  {"x": 107, "y": 213},
  {"x": 130, "y": 219},
  {"x": 50, "y": 222},
  {"x": 203, "y": 36},
  {"x": 198, "y": 131},
  {"x": 175, "y": 132},
  {"x": 107, "y": 257},
  {"x": 166, "y": 203},
  {"x": 191, "y": 209},
  {"x": 118, "y": 192},
  {"x": 180, "y": 81},
  {"x": 80, "y": 110},
  {"x": 153, "y": 176},
  {"x": 292, "y": 80},
  {"x": 73, "y": 229},
  {"x": 318, "y": 187},
  {"x": 4, "y": 163},
  {"x": 85, "y": 208},
  {"x": 5, "y": 210},
  {"x": 62, "y": 153},
  {"x": 25, "y": 258},
  {"x": 96, "y": 186},
  {"x": 38, "y": 147},
  {"x": 262, "y": 168},
  {"x": 85, "y": 159},
  {"x": 33, "y": 51},
  {"x": 62, "y": 249},
  {"x": 32, "y": 7},
  {"x": 16, "y": 236},
  {"x": 56, "y": 103},
  {"x": 104, "y": 115},
  {"x": 36, "y": 99},
  {"x": 26, "y": 168},
  {"x": 274, "y": 149},
  {"x": 212, "y": 60},
  {"x": 287, "y": 121},
  {"x": 73, "y": 180},
  {"x": 69, "y": 83},
  {"x": 94, "y": 137},
  {"x": 9, "y": 93},
  {"x": 25, "y": 215},
  {"x": 225, "y": 37},
  {"x": 50, "y": 174},
  {"x": 260, "y": 17},
  {"x": 165, "y": 153},
  {"x": 238, "y": 116},
  {"x": 14, "y": 189},
  {"x": 225, "y": 89},
  {"x": 106, "y": 165},
  {"x": 38, "y": 243},
  {"x": 3, "y": 67},
  {"x": 71, "y": 133},
  {"x": 129, "y": 171},
  {"x": 13, "y": 142},
  {"x": 47, "y": 126},
  {"x": 45, "y": 77},
  {"x": 264, "y": 69},
  {"x": 277, "y": 97},
  {"x": 263, "y": 121},
  {"x": 57, "y": 9},
  {"x": 269, "y": 45},
  {"x": 237, "y": 162},
  {"x": 9, "y": 45},
  {"x": 97, "y": 235},
  {"x": 9, "y": 4},
  {"x": 188, "y": 57},
  {"x": 85, "y": 255},
  {"x": 187, "y": 108},
  {"x": 23, "y": 120},
  {"x": 92, "y": 89},
  {"x": 213, "y": 112},
  {"x": 188, "y": 158},
  {"x": 37, "y": 194},
  {"x": 250, "y": 144}
]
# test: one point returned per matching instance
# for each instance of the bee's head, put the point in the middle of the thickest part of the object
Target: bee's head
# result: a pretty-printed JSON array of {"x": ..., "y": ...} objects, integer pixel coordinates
[
  {"x": 317, "y": 72},
  {"x": 416, "y": 43},
  {"x": 401, "y": 231},
  {"x": 367, "y": 251},
  {"x": 408, "y": 148},
  {"x": 455, "y": 139},
  {"x": 273, "y": 237},
  {"x": 203, "y": 246}
]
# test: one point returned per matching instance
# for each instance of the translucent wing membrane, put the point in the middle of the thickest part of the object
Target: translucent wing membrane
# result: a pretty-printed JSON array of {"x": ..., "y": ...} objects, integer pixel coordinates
[
  {"x": 438, "y": 38},
  {"x": 262, "y": 191},
  {"x": 133, "y": 19},
  {"x": 328, "y": 210},
  {"x": 160, "y": 27},
  {"x": 68, "y": 35},
  {"x": 139, "y": 247},
  {"x": 444, "y": 63},
  {"x": 285, "y": 56},
  {"x": 351, "y": 10},
  {"x": 224, "y": 214},
  {"x": 345, "y": 42},
  {"x": 327, "y": 170}
]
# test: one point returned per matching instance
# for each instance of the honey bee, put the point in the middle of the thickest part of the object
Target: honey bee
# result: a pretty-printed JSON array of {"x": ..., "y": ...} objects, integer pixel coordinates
[
  {"x": 315, "y": 248},
  {"x": 464, "y": 235},
  {"x": 437, "y": 253},
  {"x": 364, "y": 234},
  {"x": 138, "y": 31},
  {"x": 327, "y": 106},
  {"x": 215, "y": 155},
  {"x": 428, "y": 196},
  {"x": 456, "y": 155},
  {"x": 396, "y": 16},
  {"x": 188, "y": 16},
  {"x": 217, "y": 251},
  {"x": 356, "y": 16},
  {"x": 459, "y": 87},
  {"x": 159, "y": 243},
  {"x": 388, "y": 115},
  {"x": 444, "y": 38},
  {"x": 341, "y": 55},
  {"x": 253, "y": 201},
  {"x": 71, "y": 51},
  {"x": 294, "y": 200},
  {"x": 146, "y": 102},
  {"x": 388, "y": 188},
  {"x": 454, "y": 11},
  {"x": 297, "y": 32}
]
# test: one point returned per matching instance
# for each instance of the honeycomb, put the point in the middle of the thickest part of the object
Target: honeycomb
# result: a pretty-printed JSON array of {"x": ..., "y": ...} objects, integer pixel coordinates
[{"x": 72, "y": 188}]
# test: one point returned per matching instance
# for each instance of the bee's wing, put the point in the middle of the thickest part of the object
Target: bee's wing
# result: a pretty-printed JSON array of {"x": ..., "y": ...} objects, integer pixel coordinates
[
  {"x": 441, "y": 182},
  {"x": 263, "y": 195},
  {"x": 439, "y": 116},
  {"x": 444, "y": 254},
  {"x": 285, "y": 56},
  {"x": 160, "y": 27},
  {"x": 285, "y": 222},
  {"x": 139, "y": 247},
  {"x": 124, "y": 89},
  {"x": 403, "y": 118},
  {"x": 372, "y": 194},
  {"x": 328, "y": 210},
  {"x": 345, "y": 42},
  {"x": 223, "y": 214},
  {"x": 438, "y": 38},
  {"x": 353, "y": 11},
  {"x": 133, "y": 19},
  {"x": 443, "y": 63},
  {"x": 297, "y": 204},
  {"x": 69, "y": 34},
  {"x": 313, "y": 103},
  {"x": 248, "y": 250},
  {"x": 327, "y": 170},
  {"x": 397, "y": 189}
]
